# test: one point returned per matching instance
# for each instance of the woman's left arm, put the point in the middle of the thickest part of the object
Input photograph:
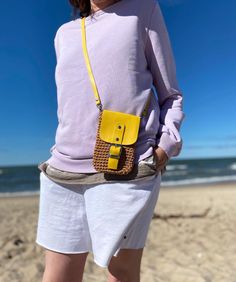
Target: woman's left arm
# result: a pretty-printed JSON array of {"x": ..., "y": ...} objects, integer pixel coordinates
[{"x": 161, "y": 63}]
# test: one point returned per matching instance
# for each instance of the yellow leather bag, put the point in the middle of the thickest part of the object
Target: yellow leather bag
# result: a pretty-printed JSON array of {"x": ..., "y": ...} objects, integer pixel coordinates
[{"x": 117, "y": 132}]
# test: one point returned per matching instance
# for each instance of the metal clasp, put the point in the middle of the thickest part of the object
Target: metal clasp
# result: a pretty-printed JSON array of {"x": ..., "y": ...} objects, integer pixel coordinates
[
  {"x": 99, "y": 106},
  {"x": 115, "y": 156}
]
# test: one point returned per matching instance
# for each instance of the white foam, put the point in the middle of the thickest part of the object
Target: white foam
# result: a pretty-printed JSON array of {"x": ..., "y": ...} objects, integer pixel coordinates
[
  {"x": 233, "y": 166},
  {"x": 177, "y": 167},
  {"x": 175, "y": 173},
  {"x": 200, "y": 180},
  {"x": 19, "y": 194}
]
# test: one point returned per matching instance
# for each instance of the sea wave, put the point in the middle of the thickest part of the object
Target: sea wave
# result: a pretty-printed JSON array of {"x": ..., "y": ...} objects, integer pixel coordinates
[
  {"x": 19, "y": 194},
  {"x": 200, "y": 180},
  {"x": 233, "y": 166},
  {"x": 175, "y": 173},
  {"x": 177, "y": 167}
]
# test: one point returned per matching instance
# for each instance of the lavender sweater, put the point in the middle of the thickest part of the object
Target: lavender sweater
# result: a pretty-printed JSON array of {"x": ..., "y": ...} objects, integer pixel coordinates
[{"x": 130, "y": 54}]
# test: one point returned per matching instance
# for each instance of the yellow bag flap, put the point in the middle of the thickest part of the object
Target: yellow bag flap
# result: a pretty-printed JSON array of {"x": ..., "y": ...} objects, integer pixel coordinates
[{"x": 119, "y": 128}]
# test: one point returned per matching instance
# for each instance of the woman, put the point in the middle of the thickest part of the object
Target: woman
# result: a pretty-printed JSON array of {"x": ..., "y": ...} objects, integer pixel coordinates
[{"x": 130, "y": 55}]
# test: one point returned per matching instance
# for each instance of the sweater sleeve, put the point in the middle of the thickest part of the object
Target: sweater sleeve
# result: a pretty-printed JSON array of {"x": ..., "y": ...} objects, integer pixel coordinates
[
  {"x": 161, "y": 63},
  {"x": 57, "y": 53},
  {"x": 56, "y": 44}
]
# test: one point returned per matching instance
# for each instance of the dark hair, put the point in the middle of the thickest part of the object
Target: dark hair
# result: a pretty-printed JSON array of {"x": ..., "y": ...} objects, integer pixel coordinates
[{"x": 83, "y": 6}]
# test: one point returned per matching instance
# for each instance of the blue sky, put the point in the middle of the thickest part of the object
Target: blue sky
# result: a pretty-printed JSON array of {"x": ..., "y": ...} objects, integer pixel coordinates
[{"x": 203, "y": 36}]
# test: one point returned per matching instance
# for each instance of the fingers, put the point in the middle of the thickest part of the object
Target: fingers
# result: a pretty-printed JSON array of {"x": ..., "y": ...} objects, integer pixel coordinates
[
  {"x": 161, "y": 163},
  {"x": 161, "y": 168}
]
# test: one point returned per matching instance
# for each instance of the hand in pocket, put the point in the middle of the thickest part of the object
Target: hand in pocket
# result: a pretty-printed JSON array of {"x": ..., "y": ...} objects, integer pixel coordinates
[{"x": 161, "y": 159}]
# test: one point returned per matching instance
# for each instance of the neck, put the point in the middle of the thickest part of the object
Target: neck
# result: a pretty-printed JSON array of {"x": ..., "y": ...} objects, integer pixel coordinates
[{"x": 101, "y": 4}]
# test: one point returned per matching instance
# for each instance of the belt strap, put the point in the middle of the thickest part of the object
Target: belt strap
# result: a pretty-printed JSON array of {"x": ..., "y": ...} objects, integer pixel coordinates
[{"x": 92, "y": 80}]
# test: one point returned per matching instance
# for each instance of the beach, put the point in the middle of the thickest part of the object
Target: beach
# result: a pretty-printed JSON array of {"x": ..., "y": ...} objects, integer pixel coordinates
[{"x": 192, "y": 238}]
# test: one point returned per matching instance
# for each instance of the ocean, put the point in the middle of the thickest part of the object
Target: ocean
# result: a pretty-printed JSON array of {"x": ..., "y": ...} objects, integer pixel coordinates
[{"x": 24, "y": 180}]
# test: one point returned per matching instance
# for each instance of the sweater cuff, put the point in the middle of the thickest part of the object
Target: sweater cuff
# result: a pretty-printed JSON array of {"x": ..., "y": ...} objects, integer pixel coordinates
[{"x": 170, "y": 147}]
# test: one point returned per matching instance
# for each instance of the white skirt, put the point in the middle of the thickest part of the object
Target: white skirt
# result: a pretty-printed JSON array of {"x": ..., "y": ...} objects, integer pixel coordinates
[{"x": 96, "y": 218}]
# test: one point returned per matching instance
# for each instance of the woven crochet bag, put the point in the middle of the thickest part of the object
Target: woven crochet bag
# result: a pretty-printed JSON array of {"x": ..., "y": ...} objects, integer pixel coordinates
[
  {"x": 112, "y": 157},
  {"x": 117, "y": 132}
]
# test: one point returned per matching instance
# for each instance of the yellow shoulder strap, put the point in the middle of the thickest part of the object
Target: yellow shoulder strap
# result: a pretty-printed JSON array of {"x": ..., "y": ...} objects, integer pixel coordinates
[
  {"x": 94, "y": 86},
  {"x": 95, "y": 90}
]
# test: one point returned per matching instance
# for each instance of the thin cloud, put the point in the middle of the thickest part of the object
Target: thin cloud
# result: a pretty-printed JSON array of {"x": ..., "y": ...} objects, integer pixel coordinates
[
  {"x": 208, "y": 146},
  {"x": 2, "y": 149},
  {"x": 228, "y": 138}
]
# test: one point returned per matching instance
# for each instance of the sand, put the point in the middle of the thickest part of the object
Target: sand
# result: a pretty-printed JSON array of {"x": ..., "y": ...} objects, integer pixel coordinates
[{"x": 192, "y": 238}]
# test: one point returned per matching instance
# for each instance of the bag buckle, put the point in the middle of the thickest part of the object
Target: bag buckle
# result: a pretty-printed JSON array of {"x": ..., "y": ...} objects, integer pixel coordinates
[{"x": 116, "y": 156}]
